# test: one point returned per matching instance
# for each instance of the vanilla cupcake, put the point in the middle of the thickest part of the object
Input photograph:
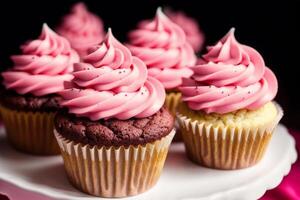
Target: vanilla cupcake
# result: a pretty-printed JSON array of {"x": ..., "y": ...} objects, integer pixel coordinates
[
  {"x": 82, "y": 28},
  {"x": 115, "y": 136},
  {"x": 227, "y": 116},
  {"x": 162, "y": 45},
  {"x": 30, "y": 100}
]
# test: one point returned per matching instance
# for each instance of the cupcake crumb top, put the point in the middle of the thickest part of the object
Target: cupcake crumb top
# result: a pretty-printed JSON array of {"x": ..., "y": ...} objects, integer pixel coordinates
[
  {"x": 243, "y": 117},
  {"x": 114, "y": 132}
]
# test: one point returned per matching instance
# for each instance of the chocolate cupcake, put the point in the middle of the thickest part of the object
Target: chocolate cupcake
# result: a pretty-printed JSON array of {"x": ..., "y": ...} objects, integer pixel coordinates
[
  {"x": 163, "y": 46},
  {"x": 29, "y": 100},
  {"x": 115, "y": 135}
]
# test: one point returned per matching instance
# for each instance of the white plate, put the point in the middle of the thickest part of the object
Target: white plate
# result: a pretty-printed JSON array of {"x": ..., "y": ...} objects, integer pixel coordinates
[{"x": 181, "y": 179}]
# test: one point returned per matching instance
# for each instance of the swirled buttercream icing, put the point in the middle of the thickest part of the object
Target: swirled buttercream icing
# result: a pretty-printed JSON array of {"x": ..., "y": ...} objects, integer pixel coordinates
[
  {"x": 193, "y": 33},
  {"x": 82, "y": 28},
  {"x": 111, "y": 83},
  {"x": 162, "y": 45},
  {"x": 43, "y": 67},
  {"x": 229, "y": 77}
]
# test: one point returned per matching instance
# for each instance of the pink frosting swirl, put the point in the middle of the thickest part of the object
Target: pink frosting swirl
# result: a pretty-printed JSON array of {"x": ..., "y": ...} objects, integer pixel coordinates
[
  {"x": 230, "y": 77},
  {"x": 193, "y": 33},
  {"x": 82, "y": 28},
  {"x": 111, "y": 83},
  {"x": 162, "y": 45},
  {"x": 43, "y": 67}
]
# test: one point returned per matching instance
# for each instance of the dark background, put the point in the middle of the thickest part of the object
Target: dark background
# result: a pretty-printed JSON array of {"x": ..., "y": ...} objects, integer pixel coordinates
[{"x": 268, "y": 26}]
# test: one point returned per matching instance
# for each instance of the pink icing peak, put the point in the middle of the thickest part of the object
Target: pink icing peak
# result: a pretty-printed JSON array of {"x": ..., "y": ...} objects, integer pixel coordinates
[
  {"x": 162, "y": 45},
  {"x": 159, "y": 33},
  {"x": 190, "y": 26},
  {"x": 109, "y": 53},
  {"x": 82, "y": 28},
  {"x": 163, "y": 23},
  {"x": 43, "y": 66},
  {"x": 80, "y": 9},
  {"x": 111, "y": 83},
  {"x": 231, "y": 76},
  {"x": 48, "y": 43}
]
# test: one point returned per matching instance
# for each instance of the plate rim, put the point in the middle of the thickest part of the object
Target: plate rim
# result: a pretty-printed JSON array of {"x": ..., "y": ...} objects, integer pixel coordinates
[{"x": 260, "y": 192}]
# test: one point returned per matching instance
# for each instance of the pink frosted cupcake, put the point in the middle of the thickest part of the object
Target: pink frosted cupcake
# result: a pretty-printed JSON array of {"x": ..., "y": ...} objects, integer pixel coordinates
[
  {"x": 30, "y": 97},
  {"x": 115, "y": 136},
  {"x": 162, "y": 45},
  {"x": 227, "y": 116},
  {"x": 190, "y": 26},
  {"x": 82, "y": 28}
]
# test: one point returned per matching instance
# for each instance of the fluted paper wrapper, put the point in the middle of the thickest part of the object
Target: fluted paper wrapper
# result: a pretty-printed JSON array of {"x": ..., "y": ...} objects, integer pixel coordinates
[
  {"x": 226, "y": 147},
  {"x": 30, "y": 132},
  {"x": 171, "y": 103},
  {"x": 114, "y": 172}
]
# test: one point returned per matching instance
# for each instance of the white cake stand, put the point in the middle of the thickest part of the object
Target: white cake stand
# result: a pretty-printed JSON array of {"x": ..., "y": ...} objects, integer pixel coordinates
[{"x": 44, "y": 177}]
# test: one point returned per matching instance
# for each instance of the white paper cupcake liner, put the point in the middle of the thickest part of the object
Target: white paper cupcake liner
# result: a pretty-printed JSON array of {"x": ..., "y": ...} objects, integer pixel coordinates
[
  {"x": 171, "y": 103},
  {"x": 226, "y": 147},
  {"x": 30, "y": 132},
  {"x": 114, "y": 172}
]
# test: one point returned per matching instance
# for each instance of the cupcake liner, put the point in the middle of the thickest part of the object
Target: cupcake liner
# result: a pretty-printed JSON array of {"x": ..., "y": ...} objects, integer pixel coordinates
[
  {"x": 171, "y": 103},
  {"x": 226, "y": 147},
  {"x": 114, "y": 172},
  {"x": 30, "y": 132}
]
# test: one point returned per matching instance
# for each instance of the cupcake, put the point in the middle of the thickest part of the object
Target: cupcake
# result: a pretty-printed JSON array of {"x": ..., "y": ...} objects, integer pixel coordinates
[
  {"x": 162, "y": 45},
  {"x": 190, "y": 26},
  {"x": 30, "y": 99},
  {"x": 227, "y": 116},
  {"x": 114, "y": 135},
  {"x": 82, "y": 28}
]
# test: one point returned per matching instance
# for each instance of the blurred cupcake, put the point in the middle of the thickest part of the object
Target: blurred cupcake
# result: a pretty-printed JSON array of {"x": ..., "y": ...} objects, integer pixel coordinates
[
  {"x": 82, "y": 28},
  {"x": 115, "y": 136},
  {"x": 227, "y": 116},
  {"x": 162, "y": 45},
  {"x": 190, "y": 26},
  {"x": 2, "y": 89},
  {"x": 29, "y": 101}
]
